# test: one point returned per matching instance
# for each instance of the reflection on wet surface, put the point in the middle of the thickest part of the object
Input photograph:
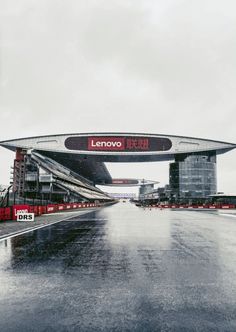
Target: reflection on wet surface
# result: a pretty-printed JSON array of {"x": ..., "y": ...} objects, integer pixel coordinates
[{"x": 122, "y": 269}]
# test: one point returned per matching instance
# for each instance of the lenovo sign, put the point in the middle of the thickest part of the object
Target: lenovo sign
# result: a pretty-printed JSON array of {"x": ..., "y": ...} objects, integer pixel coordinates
[
  {"x": 106, "y": 143},
  {"x": 118, "y": 143}
]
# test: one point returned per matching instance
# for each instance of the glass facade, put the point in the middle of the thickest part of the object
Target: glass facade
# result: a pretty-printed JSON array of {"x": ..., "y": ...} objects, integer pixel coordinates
[
  {"x": 193, "y": 175},
  {"x": 145, "y": 189}
]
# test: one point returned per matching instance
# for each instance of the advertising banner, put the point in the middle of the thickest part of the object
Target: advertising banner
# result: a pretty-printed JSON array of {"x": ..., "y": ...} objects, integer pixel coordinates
[
  {"x": 19, "y": 209},
  {"x": 124, "y": 181},
  {"x": 51, "y": 208},
  {"x": 118, "y": 143}
]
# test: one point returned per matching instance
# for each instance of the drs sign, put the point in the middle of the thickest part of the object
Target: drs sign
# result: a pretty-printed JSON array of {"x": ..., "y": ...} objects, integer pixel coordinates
[{"x": 25, "y": 216}]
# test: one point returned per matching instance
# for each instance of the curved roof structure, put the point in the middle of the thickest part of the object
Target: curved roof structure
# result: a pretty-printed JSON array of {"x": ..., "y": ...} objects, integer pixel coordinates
[
  {"x": 118, "y": 144},
  {"x": 86, "y": 153}
]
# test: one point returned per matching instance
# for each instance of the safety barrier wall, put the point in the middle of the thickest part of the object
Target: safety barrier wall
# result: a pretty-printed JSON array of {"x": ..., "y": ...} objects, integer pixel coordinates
[
  {"x": 204, "y": 206},
  {"x": 5, "y": 213},
  {"x": 10, "y": 213}
]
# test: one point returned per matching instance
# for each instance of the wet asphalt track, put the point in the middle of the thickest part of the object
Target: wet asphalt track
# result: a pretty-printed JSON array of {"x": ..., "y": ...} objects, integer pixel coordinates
[{"x": 122, "y": 269}]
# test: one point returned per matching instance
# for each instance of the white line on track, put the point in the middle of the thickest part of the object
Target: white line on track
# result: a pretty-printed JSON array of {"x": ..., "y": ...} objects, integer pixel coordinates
[
  {"x": 28, "y": 230},
  {"x": 228, "y": 215}
]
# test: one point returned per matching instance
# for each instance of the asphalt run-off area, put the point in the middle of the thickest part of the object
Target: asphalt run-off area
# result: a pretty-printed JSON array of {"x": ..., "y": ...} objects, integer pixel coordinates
[{"x": 122, "y": 268}]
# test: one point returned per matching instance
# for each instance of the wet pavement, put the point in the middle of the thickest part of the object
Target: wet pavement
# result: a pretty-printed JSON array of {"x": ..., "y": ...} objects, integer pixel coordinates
[
  {"x": 122, "y": 268},
  {"x": 11, "y": 227}
]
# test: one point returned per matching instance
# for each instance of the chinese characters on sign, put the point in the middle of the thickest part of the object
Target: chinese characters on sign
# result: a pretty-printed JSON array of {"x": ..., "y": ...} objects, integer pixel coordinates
[{"x": 139, "y": 144}]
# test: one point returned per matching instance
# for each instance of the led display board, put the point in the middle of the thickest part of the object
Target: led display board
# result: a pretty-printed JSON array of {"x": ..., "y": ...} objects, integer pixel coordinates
[
  {"x": 118, "y": 143},
  {"x": 124, "y": 181}
]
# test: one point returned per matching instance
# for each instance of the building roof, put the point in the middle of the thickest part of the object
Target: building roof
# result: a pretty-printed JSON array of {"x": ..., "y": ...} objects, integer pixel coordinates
[{"x": 86, "y": 153}]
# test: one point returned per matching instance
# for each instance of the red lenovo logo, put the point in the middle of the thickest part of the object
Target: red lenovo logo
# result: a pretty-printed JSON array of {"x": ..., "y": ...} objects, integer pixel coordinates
[{"x": 106, "y": 143}]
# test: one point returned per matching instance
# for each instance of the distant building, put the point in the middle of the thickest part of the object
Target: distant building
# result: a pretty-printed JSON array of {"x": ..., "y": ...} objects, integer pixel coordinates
[
  {"x": 193, "y": 175},
  {"x": 161, "y": 194},
  {"x": 122, "y": 195},
  {"x": 223, "y": 198}
]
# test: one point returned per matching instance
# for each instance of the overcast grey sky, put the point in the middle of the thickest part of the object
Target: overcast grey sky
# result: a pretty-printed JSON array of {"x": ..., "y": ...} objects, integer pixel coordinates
[{"x": 150, "y": 66}]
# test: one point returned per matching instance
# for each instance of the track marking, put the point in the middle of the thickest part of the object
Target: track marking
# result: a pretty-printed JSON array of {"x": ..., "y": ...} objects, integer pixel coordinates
[
  {"x": 228, "y": 215},
  {"x": 28, "y": 230}
]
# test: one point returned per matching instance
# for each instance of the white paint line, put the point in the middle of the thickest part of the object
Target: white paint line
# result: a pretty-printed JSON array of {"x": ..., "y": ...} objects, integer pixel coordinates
[
  {"x": 28, "y": 230},
  {"x": 227, "y": 215},
  {"x": 69, "y": 211}
]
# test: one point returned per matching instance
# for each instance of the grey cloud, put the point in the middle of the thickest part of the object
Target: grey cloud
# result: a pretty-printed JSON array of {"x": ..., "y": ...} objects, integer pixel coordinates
[
  {"x": 142, "y": 66},
  {"x": 189, "y": 52}
]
